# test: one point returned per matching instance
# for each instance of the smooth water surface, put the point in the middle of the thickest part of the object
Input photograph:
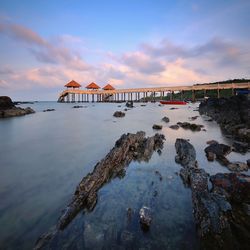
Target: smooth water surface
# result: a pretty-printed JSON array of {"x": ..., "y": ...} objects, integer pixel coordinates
[{"x": 43, "y": 157}]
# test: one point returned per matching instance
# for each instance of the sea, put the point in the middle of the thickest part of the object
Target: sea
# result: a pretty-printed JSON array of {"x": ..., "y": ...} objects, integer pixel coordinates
[{"x": 43, "y": 156}]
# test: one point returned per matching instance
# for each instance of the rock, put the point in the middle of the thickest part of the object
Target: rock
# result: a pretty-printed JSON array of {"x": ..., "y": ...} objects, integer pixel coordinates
[
  {"x": 212, "y": 142},
  {"x": 174, "y": 127},
  {"x": 186, "y": 154},
  {"x": 193, "y": 118},
  {"x": 48, "y": 110},
  {"x": 236, "y": 186},
  {"x": 143, "y": 105},
  {"x": 145, "y": 218},
  {"x": 6, "y": 103},
  {"x": 240, "y": 147},
  {"x": 231, "y": 113},
  {"x": 159, "y": 174},
  {"x": 211, "y": 210},
  {"x": 210, "y": 156},
  {"x": 8, "y": 109},
  {"x": 237, "y": 166},
  {"x": 119, "y": 114},
  {"x": 119, "y": 106},
  {"x": 191, "y": 126},
  {"x": 77, "y": 107},
  {"x": 115, "y": 162},
  {"x": 218, "y": 149},
  {"x": 129, "y": 104},
  {"x": 165, "y": 119},
  {"x": 157, "y": 127},
  {"x": 173, "y": 108},
  {"x": 248, "y": 163}
]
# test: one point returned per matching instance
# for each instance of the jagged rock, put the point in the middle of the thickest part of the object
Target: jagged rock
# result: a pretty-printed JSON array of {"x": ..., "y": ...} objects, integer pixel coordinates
[
  {"x": 231, "y": 113},
  {"x": 119, "y": 114},
  {"x": 191, "y": 126},
  {"x": 173, "y": 108},
  {"x": 175, "y": 127},
  {"x": 211, "y": 210},
  {"x": 8, "y": 109},
  {"x": 48, "y": 110},
  {"x": 157, "y": 127},
  {"x": 240, "y": 147},
  {"x": 159, "y": 174},
  {"x": 165, "y": 119},
  {"x": 237, "y": 166},
  {"x": 218, "y": 149},
  {"x": 236, "y": 186},
  {"x": 113, "y": 165},
  {"x": 145, "y": 218}
]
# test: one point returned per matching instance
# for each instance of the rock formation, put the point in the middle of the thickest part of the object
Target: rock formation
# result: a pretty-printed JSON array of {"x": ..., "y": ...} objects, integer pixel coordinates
[
  {"x": 129, "y": 147},
  {"x": 221, "y": 221},
  {"x": 8, "y": 109},
  {"x": 231, "y": 113}
]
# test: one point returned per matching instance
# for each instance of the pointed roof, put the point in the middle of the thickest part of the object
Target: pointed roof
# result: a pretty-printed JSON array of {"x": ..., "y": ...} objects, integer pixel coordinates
[
  {"x": 92, "y": 86},
  {"x": 108, "y": 87},
  {"x": 72, "y": 84}
]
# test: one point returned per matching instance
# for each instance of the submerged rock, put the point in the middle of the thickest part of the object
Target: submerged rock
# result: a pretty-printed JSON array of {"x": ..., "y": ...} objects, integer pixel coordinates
[
  {"x": 218, "y": 149},
  {"x": 157, "y": 127},
  {"x": 48, "y": 110},
  {"x": 119, "y": 114},
  {"x": 145, "y": 218},
  {"x": 77, "y": 107},
  {"x": 115, "y": 162},
  {"x": 165, "y": 119},
  {"x": 8, "y": 109}
]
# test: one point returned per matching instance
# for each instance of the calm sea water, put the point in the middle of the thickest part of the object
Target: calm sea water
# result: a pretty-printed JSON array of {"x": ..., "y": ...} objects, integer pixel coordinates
[{"x": 43, "y": 157}]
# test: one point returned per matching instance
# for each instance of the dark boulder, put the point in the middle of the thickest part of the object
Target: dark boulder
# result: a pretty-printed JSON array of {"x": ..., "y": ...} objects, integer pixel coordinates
[
  {"x": 240, "y": 147},
  {"x": 191, "y": 126},
  {"x": 119, "y": 114},
  {"x": 157, "y": 127},
  {"x": 48, "y": 110},
  {"x": 175, "y": 127},
  {"x": 145, "y": 218},
  {"x": 6, "y": 103},
  {"x": 165, "y": 119},
  {"x": 129, "y": 104}
]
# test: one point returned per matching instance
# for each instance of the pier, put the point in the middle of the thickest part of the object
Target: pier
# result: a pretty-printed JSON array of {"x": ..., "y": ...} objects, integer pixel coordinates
[{"x": 75, "y": 94}]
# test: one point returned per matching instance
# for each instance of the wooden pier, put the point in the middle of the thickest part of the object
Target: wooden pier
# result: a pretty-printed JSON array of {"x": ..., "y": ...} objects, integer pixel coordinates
[{"x": 143, "y": 94}]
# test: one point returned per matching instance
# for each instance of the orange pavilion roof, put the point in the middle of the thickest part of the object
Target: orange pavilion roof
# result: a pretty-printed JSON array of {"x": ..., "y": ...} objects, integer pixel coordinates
[
  {"x": 108, "y": 87},
  {"x": 72, "y": 84},
  {"x": 92, "y": 86}
]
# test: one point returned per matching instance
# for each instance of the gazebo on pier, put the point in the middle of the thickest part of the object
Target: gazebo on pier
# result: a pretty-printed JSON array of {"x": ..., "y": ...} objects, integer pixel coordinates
[
  {"x": 72, "y": 84},
  {"x": 108, "y": 87},
  {"x": 92, "y": 86}
]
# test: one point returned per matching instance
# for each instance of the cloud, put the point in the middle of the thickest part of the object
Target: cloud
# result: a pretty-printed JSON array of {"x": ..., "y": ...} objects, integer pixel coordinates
[
  {"x": 142, "y": 62},
  {"x": 43, "y": 50}
]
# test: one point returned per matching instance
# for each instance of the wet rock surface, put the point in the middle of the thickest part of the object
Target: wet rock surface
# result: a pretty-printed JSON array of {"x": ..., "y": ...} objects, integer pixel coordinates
[
  {"x": 128, "y": 148},
  {"x": 129, "y": 104},
  {"x": 77, "y": 107},
  {"x": 175, "y": 127},
  {"x": 8, "y": 109},
  {"x": 145, "y": 218},
  {"x": 157, "y": 127},
  {"x": 119, "y": 114},
  {"x": 222, "y": 223},
  {"x": 231, "y": 113},
  {"x": 165, "y": 119},
  {"x": 48, "y": 110},
  {"x": 191, "y": 126}
]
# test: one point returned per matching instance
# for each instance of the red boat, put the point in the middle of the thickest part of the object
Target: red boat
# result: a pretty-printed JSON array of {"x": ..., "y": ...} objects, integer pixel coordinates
[{"x": 173, "y": 102}]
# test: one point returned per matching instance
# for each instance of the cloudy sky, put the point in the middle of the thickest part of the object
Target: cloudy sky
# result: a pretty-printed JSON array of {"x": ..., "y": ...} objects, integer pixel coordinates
[{"x": 127, "y": 43}]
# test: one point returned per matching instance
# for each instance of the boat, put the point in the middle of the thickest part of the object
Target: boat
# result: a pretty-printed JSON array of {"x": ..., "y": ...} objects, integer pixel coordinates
[{"x": 173, "y": 102}]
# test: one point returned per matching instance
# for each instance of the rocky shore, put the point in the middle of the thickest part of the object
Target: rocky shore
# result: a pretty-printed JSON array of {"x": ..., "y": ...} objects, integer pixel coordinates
[
  {"x": 231, "y": 113},
  {"x": 8, "y": 109},
  {"x": 128, "y": 148},
  {"x": 221, "y": 212}
]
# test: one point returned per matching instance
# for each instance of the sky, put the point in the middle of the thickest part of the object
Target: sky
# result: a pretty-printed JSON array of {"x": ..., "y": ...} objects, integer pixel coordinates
[{"x": 128, "y": 43}]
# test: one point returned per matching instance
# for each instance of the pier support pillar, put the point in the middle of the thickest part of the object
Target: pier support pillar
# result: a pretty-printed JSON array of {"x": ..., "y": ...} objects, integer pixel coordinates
[{"x": 193, "y": 95}]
